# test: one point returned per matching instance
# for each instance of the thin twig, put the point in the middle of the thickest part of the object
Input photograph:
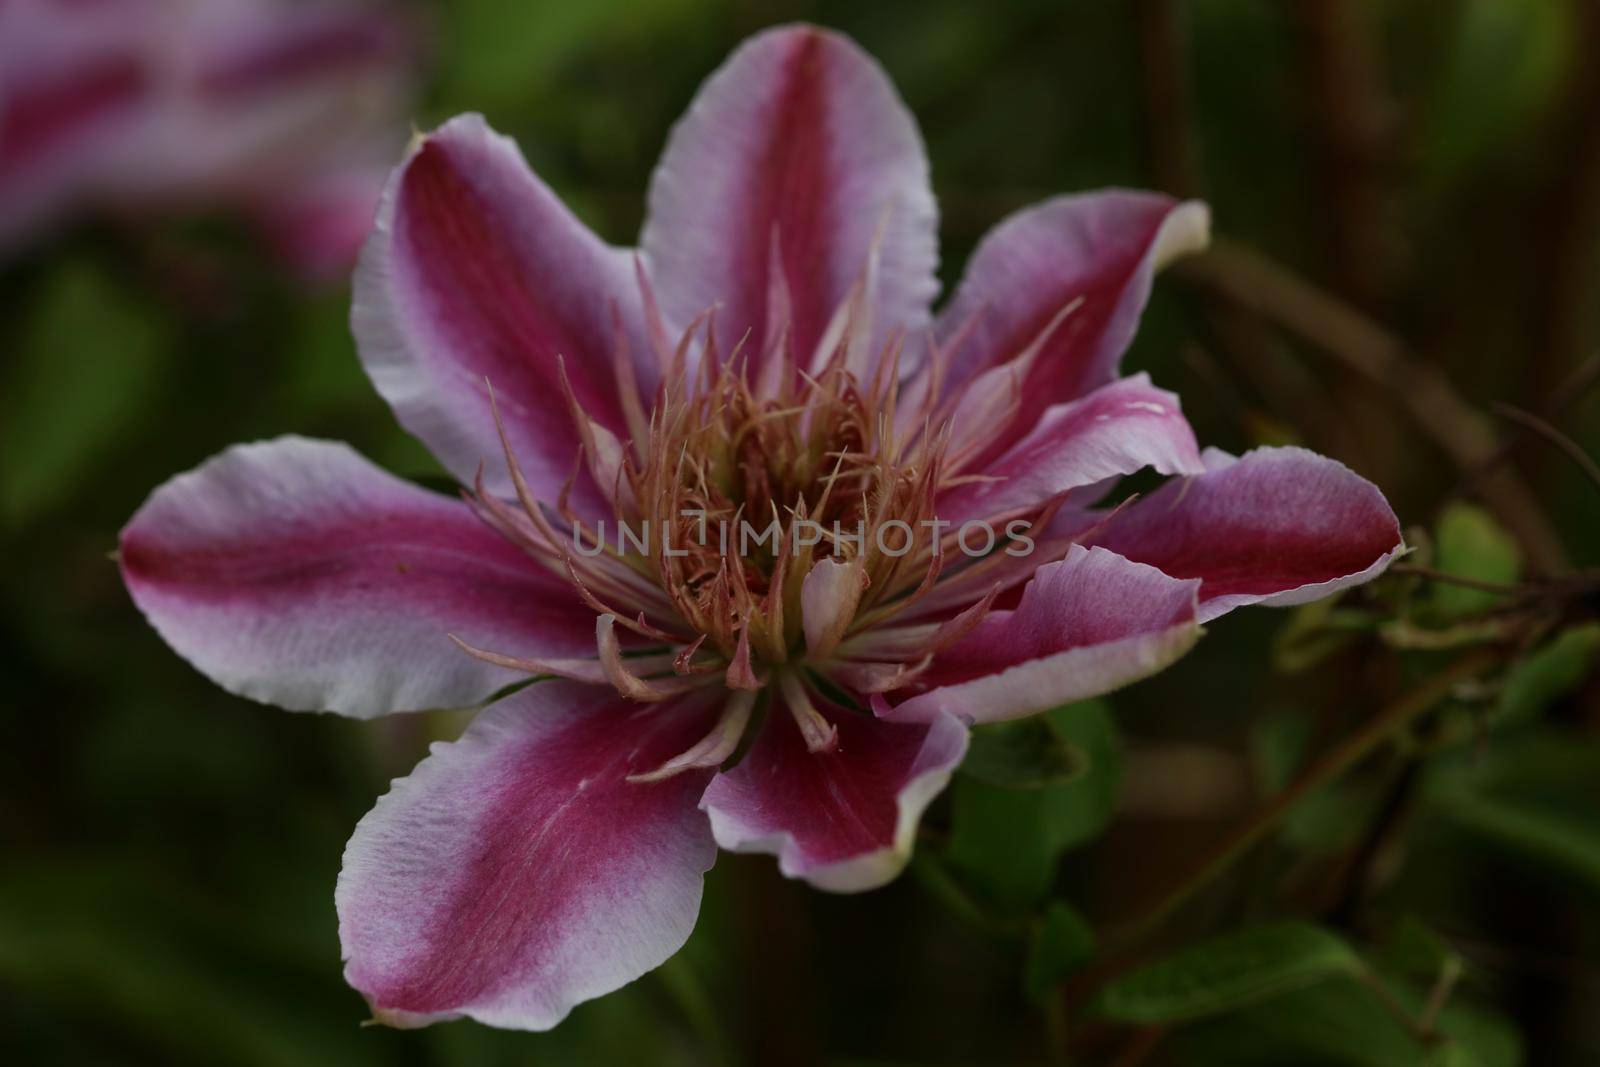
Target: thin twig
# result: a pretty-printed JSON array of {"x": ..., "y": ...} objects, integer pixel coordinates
[
  {"x": 1561, "y": 325},
  {"x": 1567, "y": 445},
  {"x": 1439, "y": 996},
  {"x": 1391, "y": 1004},
  {"x": 1573, "y": 389},
  {"x": 1396, "y": 802},
  {"x": 1349, "y": 129},
  {"x": 1260, "y": 284},
  {"x": 1419, "y": 571},
  {"x": 1331, "y": 765},
  {"x": 1576, "y": 385},
  {"x": 1169, "y": 112}
]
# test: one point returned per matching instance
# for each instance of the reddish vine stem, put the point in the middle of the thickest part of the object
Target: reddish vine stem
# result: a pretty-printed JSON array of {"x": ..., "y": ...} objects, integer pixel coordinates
[
  {"x": 1259, "y": 284},
  {"x": 1328, "y": 767},
  {"x": 1574, "y": 389},
  {"x": 1564, "y": 444}
]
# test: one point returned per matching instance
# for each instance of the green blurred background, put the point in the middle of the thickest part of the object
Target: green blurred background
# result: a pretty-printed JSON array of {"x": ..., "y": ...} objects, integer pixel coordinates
[{"x": 1431, "y": 168}]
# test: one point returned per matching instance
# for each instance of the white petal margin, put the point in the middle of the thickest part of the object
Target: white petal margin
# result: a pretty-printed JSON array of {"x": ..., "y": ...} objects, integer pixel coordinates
[
  {"x": 796, "y": 154},
  {"x": 477, "y": 277},
  {"x": 517, "y": 872},
  {"x": 1088, "y": 624},
  {"x": 1277, "y": 527},
  {"x": 297, "y": 573},
  {"x": 844, "y": 820},
  {"x": 1103, "y": 248}
]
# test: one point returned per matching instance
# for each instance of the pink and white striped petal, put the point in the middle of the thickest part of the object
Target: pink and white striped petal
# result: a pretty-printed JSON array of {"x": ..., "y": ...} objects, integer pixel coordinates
[
  {"x": 1116, "y": 430},
  {"x": 75, "y": 97},
  {"x": 1086, "y": 625},
  {"x": 1278, "y": 526},
  {"x": 161, "y": 105},
  {"x": 844, "y": 819},
  {"x": 477, "y": 277},
  {"x": 1102, "y": 249},
  {"x": 774, "y": 185},
  {"x": 259, "y": 98},
  {"x": 518, "y": 871},
  {"x": 297, "y": 573}
]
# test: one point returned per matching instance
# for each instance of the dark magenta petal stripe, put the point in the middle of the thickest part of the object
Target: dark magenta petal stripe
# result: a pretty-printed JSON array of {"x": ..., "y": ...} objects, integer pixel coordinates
[
  {"x": 516, "y": 872},
  {"x": 844, "y": 819},
  {"x": 794, "y": 153},
  {"x": 476, "y": 278},
  {"x": 297, "y": 573},
  {"x": 1101, "y": 249},
  {"x": 1277, "y": 526}
]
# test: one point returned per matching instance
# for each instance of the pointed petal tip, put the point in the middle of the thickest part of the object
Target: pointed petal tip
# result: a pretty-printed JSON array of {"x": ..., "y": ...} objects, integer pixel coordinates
[
  {"x": 1186, "y": 231},
  {"x": 244, "y": 566},
  {"x": 475, "y": 268},
  {"x": 805, "y": 109},
  {"x": 845, "y": 821},
  {"x": 1278, "y": 526}
]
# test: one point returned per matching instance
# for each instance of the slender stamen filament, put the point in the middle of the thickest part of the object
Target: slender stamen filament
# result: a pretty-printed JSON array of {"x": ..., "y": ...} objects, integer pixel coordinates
[{"x": 839, "y": 471}]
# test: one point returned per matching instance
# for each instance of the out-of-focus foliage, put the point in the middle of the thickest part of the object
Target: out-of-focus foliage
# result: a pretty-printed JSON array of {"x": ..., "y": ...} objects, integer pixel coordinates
[
  {"x": 88, "y": 357},
  {"x": 166, "y": 895},
  {"x": 1231, "y": 972},
  {"x": 1007, "y": 834},
  {"x": 1470, "y": 544}
]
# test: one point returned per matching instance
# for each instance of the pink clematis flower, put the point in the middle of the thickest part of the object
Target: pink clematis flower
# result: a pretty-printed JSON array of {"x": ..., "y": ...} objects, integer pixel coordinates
[
  {"x": 291, "y": 114},
  {"x": 767, "y": 355}
]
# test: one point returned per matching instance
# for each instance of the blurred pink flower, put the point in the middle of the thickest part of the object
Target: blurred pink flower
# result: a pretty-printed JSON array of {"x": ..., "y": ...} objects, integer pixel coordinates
[
  {"x": 289, "y": 113},
  {"x": 807, "y": 697}
]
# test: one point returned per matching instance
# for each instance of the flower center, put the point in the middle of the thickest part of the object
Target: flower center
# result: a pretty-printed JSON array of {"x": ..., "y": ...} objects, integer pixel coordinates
[
  {"x": 757, "y": 520},
  {"x": 756, "y": 489}
]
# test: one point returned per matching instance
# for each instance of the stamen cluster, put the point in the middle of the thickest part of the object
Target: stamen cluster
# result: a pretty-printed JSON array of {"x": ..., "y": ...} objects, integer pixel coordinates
[{"x": 728, "y": 495}]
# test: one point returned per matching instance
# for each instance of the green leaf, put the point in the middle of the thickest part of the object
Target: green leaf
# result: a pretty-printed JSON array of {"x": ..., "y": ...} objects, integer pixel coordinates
[
  {"x": 1340, "y": 1023},
  {"x": 1469, "y": 542},
  {"x": 1551, "y": 766},
  {"x": 1413, "y": 948},
  {"x": 1062, "y": 943},
  {"x": 1006, "y": 843},
  {"x": 1026, "y": 754},
  {"x": 1229, "y": 972},
  {"x": 1548, "y": 674},
  {"x": 1450, "y": 1054},
  {"x": 1562, "y": 843}
]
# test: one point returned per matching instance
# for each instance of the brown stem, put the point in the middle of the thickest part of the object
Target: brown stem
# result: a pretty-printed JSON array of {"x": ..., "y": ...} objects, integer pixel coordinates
[
  {"x": 1566, "y": 445},
  {"x": 1563, "y": 321},
  {"x": 1358, "y": 875},
  {"x": 1174, "y": 152},
  {"x": 1390, "y": 1004},
  {"x": 1259, "y": 284},
  {"x": 1455, "y": 579},
  {"x": 1169, "y": 122},
  {"x": 1573, "y": 389},
  {"x": 1439, "y": 995},
  {"x": 1349, "y": 130},
  {"x": 1331, "y": 765}
]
